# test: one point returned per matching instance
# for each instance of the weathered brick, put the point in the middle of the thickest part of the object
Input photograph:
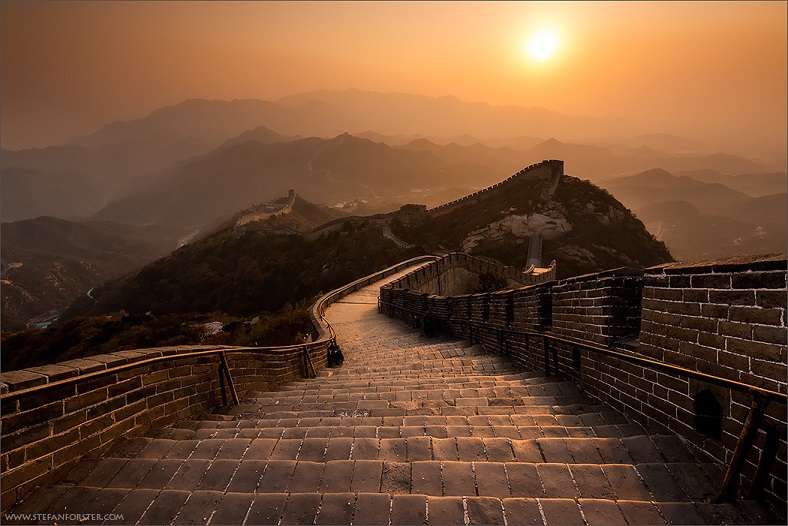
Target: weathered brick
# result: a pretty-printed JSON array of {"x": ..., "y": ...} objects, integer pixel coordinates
[
  {"x": 762, "y": 351},
  {"x": 738, "y": 330},
  {"x": 732, "y": 297},
  {"x": 756, "y": 315},
  {"x": 94, "y": 426},
  {"x": 679, "y": 281},
  {"x": 16, "y": 440},
  {"x": 759, "y": 280},
  {"x": 69, "y": 421},
  {"x": 771, "y": 370},
  {"x": 22, "y": 379},
  {"x": 46, "y": 446},
  {"x": 26, "y": 472},
  {"x": 767, "y": 334},
  {"x": 734, "y": 361},
  {"x": 700, "y": 324},
  {"x": 771, "y": 298},
  {"x": 140, "y": 394},
  {"x": 711, "y": 340},
  {"x": 714, "y": 310},
  {"x": 76, "y": 450},
  {"x": 154, "y": 377},
  {"x": 711, "y": 281},
  {"x": 96, "y": 383},
  {"x": 124, "y": 386},
  {"x": 17, "y": 421},
  {"x": 696, "y": 295},
  {"x": 55, "y": 372},
  {"x": 105, "y": 407},
  {"x": 669, "y": 294},
  {"x": 44, "y": 396}
]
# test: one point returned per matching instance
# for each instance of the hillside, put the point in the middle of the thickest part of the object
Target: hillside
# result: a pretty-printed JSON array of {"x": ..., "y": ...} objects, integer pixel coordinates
[
  {"x": 49, "y": 262},
  {"x": 582, "y": 227},
  {"x": 245, "y": 275},
  {"x": 704, "y": 217}
]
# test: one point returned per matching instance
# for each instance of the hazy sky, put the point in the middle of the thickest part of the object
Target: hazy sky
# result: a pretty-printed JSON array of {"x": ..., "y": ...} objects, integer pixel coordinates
[{"x": 707, "y": 69}]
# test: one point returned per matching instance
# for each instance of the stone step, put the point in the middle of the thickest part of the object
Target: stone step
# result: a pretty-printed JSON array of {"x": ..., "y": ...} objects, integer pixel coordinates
[
  {"x": 544, "y": 419},
  {"x": 646, "y": 481},
  {"x": 412, "y": 445},
  {"x": 353, "y": 384},
  {"x": 175, "y": 506},
  {"x": 513, "y": 432}
]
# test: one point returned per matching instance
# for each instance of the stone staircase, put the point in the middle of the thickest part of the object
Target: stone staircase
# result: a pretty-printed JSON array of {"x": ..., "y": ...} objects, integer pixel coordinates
[{"x": 409, "y": 430}]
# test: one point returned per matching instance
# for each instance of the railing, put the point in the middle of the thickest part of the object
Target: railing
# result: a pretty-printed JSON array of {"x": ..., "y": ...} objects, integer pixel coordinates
[
  {"x": 760, "y": 397},
  {"x": 51, "y": 419}
]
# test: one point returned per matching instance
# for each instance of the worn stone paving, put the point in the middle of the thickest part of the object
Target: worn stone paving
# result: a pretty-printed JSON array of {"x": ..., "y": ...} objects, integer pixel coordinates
[{"x": 409, "y": 430}]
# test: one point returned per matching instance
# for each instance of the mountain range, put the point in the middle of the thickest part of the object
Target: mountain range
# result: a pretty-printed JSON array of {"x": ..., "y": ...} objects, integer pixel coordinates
[{"x": 184, "y": 170}]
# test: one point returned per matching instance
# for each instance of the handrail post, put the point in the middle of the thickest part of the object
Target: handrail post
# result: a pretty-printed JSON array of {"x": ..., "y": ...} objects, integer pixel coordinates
[
  {"x": 746, "y": 439},
  {"x": 224, "y": 373},
  {"x": 768, "y": 455}
]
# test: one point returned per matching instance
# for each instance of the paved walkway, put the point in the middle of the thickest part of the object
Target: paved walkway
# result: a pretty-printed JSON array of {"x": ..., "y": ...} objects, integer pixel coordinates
[{"x": 408, "y": 431}]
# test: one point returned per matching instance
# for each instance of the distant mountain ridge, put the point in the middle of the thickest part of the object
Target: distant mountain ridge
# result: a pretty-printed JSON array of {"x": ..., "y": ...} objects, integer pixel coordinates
[
  {"x": 48, "y": 262},
  {"x": 704, "y": 219},
  {"x": 124, "y": 158}
]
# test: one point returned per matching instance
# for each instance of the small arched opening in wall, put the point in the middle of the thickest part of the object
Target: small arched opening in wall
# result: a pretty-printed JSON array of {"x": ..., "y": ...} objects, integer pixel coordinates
[{"x": 707, "y": 414}]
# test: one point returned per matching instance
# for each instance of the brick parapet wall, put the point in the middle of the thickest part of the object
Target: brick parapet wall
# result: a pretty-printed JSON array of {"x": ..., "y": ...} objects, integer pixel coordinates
[
  {"x": 51, "y": 416},
  {"x": 458, "y": 273},
  {"x": 722, "y": 318},
  {"x": 55, "y": 414},
  {"x": 601, "y": 308},
  {"x": 545, "y": 169}
]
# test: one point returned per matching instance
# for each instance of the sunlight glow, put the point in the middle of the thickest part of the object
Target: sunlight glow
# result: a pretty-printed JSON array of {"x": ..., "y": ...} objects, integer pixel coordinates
[{"x": 542, "y": 45}]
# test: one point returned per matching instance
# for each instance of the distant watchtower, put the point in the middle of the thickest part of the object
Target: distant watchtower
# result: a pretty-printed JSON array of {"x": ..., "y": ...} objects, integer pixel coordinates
[{"x": 411, "y": 214}]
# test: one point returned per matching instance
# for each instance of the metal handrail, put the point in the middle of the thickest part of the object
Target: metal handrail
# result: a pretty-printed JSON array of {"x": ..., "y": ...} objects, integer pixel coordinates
[{"x": 653, "y": 364}]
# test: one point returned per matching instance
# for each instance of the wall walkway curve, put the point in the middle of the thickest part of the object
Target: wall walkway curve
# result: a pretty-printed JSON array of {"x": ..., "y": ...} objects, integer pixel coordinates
[{"x": 56, "y": 414}]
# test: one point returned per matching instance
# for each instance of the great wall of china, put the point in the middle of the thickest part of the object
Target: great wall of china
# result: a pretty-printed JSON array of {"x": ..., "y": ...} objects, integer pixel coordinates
[
  {"x": 550, "y": 170},
  {"x": 693, "y": 351},
  {"x": 697, "y": 350}
]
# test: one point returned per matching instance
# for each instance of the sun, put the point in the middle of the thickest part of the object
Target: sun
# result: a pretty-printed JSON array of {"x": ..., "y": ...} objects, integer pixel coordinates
[{"x": 542, "y": 44}]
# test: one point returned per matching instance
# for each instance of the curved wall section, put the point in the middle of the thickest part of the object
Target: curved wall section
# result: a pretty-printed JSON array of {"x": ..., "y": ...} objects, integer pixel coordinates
[{"x": 55, "y": 414}]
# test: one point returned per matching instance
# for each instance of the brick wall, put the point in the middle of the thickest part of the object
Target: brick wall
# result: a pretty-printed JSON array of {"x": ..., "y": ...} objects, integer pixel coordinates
[
  {"x": 549, "y": 169},
  {"x": 725, "y": 319},
  {"x": 458, "y": 273},
  {"x": 55, "y": 414},
  {"x": 728, "y": 319}
]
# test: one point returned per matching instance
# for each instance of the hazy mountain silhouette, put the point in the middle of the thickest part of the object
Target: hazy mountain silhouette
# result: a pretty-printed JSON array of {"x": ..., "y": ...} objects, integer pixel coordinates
[
  {"x": 28, "y": 192},
  {"x": 49, "y": 262},
  {"x": 659, "y": 186},
  {"x": 599, "y": 163},
  {"x": 128, "y": 157},
  {"x": 399, "y": 113},
  {"x": 698, "y": 219},
  {"x": 344, "y": 168},
  {"x": 692, "y": 235},
  {"x": 754, "y": 184}
]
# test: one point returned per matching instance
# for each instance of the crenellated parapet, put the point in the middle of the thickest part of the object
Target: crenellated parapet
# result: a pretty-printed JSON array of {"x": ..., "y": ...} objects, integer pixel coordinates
[{"x": 549, "y": 170}]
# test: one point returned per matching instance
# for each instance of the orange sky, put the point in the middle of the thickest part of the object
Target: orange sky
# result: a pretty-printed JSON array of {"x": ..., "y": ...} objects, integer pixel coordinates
[{"x": 710, "y": 70}]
